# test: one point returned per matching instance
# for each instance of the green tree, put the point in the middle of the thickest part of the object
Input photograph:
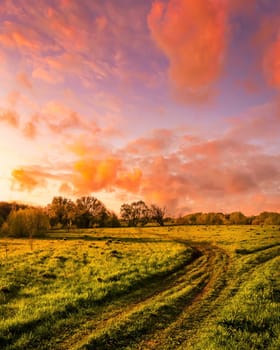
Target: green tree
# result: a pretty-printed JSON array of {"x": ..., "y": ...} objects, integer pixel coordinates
[
  {"x": 135, "y": 213},
  {"x": 237, "y": 218},
  {"x": 1, "y": 221},
  {"x": 7, "y": 207},
  {"x": 213, "y": 219},
  {"x": 267, "y": 218},
  {"x": 111, "y": 220},
  {"x": 30, "y": 222},
  {"x": 61, "y": 211},
  {"x": 90, "y": 212}
]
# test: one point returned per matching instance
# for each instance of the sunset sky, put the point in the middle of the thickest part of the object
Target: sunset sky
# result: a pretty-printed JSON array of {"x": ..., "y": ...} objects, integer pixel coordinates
[{"x": 174, "y": 102}]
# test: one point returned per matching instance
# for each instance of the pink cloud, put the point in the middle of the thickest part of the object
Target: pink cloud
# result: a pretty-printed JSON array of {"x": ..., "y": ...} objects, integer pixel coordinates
[
  {"x": 90, "y": 44},
  {"x": 250, "y": 85},
  {"x": 85, "y": 39},
  {"x": 48, "y": 76},
  {"x": 16, "y": 35},
  {"x": 192, "y": 34},
  {"x": 95, "y": 147},
  {"x": 271, "y": 64},
  {"x": 59, "y": 118},
  {"x": 24, "y": 80},
  {"x": 266, "y": 41},
  {"x": 91, "y": 175},
  {"x": 30, "y": 130},
  {"x": 9, "y": 117},
  {"x": 159, "y": 141},
  {"x": 259, "y": 123},
  {"x": 66, "y": 189},
  {"x": 176, "y": 170},
  {"x": 29, "y": 178},
  {"x": 241, "y": 6},
  {"x": 13, "y": 97},
  {"x": 218, "y": 148},
  {"x": 210, "y": 177},
  {"x": 129, "y": 180}
]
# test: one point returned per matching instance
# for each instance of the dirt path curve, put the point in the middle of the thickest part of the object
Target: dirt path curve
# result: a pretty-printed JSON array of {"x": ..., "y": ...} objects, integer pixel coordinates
[
  {"x": 187, "y": 298},
  {"x": 203, "y": 306}
]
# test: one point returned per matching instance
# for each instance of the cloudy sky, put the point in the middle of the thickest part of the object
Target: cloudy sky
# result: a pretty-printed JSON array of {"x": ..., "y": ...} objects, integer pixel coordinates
[{"x": 175, "y": 102}]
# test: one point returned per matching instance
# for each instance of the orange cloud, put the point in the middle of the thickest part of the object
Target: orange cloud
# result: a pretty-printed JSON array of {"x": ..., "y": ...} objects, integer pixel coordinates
[
  {"x": 83, "y": 148},
  {"x": 159, "y": 141},
  {"x": 66, "y": 189},
  {"x": 267, "y": 41},
  {"x": 243, "y": 6},
  {"x": 250, "y": 85},
  {"x": 130, "y": 181},
  {"x": 20, "y": 36},
  {"x": 9, "y": 117},
  {"x": 21, "y": 40},
  {"x": 165, "y": 183},
  {"x": 31, "y": 177},
  {"x": 267, "y": 31},
  {"x": 26, "y": 180},
  {"x": 47, "y": 75},
  {"x": 13, "y": 98},
  {"x": 30, "y": 130},
  {"x": 199, "y": 184},
  {"x": 192, "y": 34},
  {"x": 198, "y": 176},
  {"x": 84, "y": 39},
  {"x": 101, "y": 23},
  {"x": 260, "y": 123},
  {"x": 94, "y": 175},
  {"x": 195, "y": 174},
  {"x": 24, "y": 81},
  {"x": 271, "y": 64},
  {"x": 218, "y": 148},
  {"x": 60, "y": 118}
]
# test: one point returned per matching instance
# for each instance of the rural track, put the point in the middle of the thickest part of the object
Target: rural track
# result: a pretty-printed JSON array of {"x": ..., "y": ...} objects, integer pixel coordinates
[
  {"x": 144, "y": 294},
  {"x": 198, "y": 311},
  {"x": 207, "y": 272},
  {"x": 172, "y": 309},
  {"x": 212, "y": 281},
  {"x": 205, "y": 308}
]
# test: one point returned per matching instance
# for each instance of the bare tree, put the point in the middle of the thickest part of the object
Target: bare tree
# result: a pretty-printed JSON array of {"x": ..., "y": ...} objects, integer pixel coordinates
[{"x": 158, "y": 213}]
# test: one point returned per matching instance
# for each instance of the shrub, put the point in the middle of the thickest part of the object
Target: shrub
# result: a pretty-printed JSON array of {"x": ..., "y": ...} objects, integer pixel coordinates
[{"x": 29, "y": 222}]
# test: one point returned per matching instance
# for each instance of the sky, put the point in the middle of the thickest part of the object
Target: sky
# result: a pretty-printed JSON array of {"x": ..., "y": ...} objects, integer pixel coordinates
[{"x": 174, "y": 102}]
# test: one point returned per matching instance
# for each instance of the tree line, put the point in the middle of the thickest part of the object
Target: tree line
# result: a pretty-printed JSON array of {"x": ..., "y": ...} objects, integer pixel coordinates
[
  {"x": 20, "y": 220},
  {"x": 234, "y": 218}
]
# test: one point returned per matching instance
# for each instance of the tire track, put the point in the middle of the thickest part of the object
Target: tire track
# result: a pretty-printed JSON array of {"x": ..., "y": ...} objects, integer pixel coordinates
[
  {"x": 185, "y": 327},
  {"x": 173, "y": 325},
  {"x": 207, "y": 282}
]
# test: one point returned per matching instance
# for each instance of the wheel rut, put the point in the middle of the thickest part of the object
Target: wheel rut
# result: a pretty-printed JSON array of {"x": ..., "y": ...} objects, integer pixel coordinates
[
  {"x": 199, "y": 311},
  {"x": 190, "y": 294},
  {"x": 128, "y": 304}
]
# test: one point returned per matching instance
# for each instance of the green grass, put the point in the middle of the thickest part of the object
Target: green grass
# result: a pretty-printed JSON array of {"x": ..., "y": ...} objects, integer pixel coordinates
[{"x": 194, "y": 287}]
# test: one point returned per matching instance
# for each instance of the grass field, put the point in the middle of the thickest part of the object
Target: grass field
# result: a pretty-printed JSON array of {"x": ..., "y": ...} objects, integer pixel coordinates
[{"x": 181, "y": 287}]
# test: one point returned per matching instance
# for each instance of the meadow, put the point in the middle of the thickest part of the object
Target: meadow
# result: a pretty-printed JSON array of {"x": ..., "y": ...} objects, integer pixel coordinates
[{"x": 177, "y": 287}]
